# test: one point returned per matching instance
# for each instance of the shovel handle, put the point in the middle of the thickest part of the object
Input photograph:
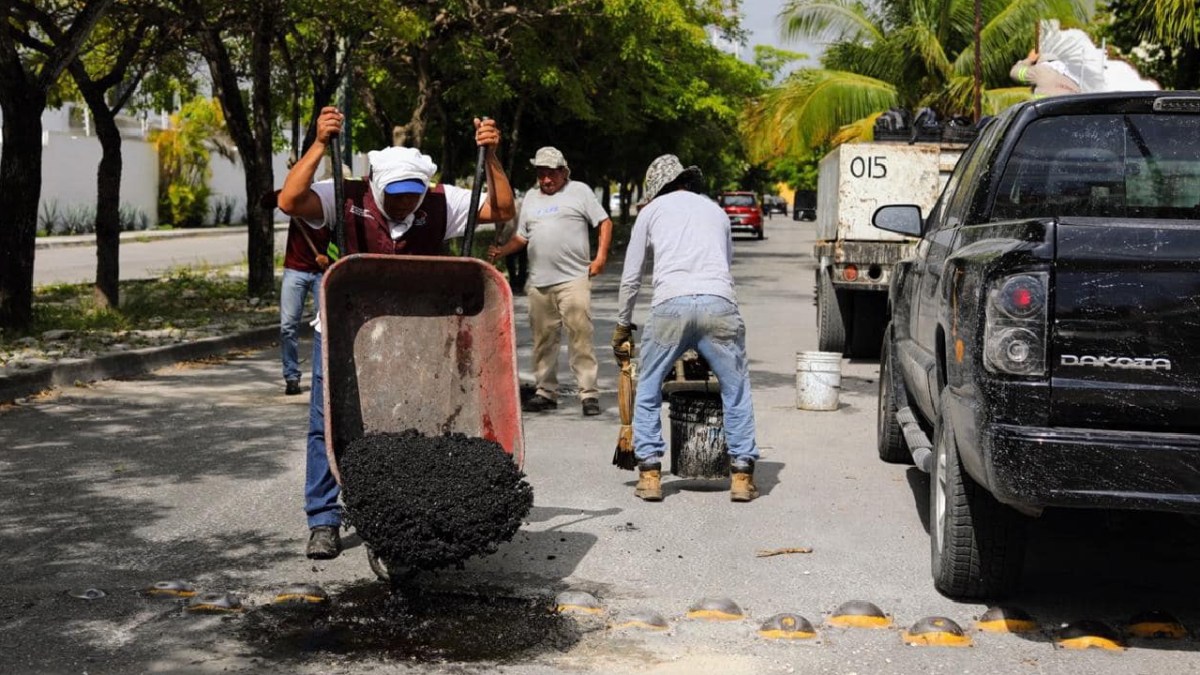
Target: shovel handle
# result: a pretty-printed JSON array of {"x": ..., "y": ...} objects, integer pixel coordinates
[{"x": 476, "y": 191}]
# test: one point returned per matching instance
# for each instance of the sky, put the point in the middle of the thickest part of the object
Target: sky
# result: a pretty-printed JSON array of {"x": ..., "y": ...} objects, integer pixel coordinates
[{"x": 759, "y": 18}]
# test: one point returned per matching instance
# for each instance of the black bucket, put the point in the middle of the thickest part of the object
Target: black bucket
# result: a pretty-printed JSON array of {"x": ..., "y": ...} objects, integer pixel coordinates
[{"x": 698, "y": 447}]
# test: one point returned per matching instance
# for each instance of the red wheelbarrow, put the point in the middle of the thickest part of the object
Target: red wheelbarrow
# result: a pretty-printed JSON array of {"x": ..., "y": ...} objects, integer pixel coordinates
[{"x": 418, "y": 342}]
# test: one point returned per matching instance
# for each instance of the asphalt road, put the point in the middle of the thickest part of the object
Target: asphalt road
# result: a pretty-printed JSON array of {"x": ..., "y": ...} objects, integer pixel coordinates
[
  {"x": 144, "y": 259},
  {"x": 194, "y": 472}
]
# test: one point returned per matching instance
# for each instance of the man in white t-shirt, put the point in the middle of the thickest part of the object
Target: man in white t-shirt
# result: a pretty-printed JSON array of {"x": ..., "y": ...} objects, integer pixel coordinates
[{"x": 553, "y": 223}]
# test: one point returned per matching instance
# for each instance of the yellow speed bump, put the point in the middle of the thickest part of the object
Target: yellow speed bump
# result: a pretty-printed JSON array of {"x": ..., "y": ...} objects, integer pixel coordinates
[
  {"x": 214, "y": 603},
  {"x": 577, "y": 602},
  {"x": 1089, "y": 634},
  {"x": 716, "y": 609},
  {"x": 859, "y": 614},
  {"x": 787, "y": 627},
  {"x": 301, "y": 594},
  {"x": 1156, "y": 625},
  {"x": 936, "y": 631},
  {"x": 174, "y": 588},
  {"x": 645, "y": 620},
  {"x": 1006, "y": 620}
]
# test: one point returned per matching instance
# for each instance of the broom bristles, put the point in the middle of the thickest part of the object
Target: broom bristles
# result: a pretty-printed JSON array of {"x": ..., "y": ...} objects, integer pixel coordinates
[{"x": 624, "y": 458}]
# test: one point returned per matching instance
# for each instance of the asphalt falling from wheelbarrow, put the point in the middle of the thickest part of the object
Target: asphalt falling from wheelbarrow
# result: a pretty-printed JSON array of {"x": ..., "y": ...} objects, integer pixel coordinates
[
  {"x": 370, "y": 621},
  {"x": 427, "y": 502}
]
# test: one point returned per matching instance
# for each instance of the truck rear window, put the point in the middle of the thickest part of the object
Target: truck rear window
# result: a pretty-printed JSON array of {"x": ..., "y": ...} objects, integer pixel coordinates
[
  {"x": 1111, "y": 166},
  {"x": 736, "y": 200}
]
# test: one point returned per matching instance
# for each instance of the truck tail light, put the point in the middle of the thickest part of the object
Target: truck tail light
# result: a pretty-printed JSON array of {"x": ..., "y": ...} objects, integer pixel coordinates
[
  {"x": 1014, "y": 336},
  {"x": 850, "y": 273}
]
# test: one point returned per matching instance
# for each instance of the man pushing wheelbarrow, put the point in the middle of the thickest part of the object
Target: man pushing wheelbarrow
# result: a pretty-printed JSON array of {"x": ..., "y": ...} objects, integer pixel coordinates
[{"x": 395, "y": 210}]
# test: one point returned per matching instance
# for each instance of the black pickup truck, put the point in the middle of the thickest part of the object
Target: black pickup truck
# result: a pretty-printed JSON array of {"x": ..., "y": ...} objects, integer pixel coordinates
[{"x": 1043, "y": 348}]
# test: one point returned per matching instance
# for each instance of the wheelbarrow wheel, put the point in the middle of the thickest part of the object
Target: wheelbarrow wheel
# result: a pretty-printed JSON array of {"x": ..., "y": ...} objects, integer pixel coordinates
[{"x": 377, "y": 566}]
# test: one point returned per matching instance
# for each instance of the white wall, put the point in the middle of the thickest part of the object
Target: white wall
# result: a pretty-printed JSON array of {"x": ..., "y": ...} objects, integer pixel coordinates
[
  {"x": 69, "y": 169},
  {"x": 71, "y": 158}
]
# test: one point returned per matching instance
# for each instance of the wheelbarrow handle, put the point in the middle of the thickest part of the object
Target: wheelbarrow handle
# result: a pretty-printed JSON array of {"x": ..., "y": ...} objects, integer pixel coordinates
[
  {"x": 339, "y": 197},
  {"x": 476, "y": 190}
]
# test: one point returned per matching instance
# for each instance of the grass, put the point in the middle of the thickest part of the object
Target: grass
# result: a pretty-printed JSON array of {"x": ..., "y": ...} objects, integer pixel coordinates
[{"x": 185, "y": 302}]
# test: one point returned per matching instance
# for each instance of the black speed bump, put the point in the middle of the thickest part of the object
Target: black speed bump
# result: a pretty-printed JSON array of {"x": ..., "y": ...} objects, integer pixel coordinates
[
  {"x": 936, "y": 631},
  {"x": 301, "y": 594},
  {"x": 577, "y": 602},
  {"x": 1088, "y": 634},
  {"x": 173, "y": 588},
  {"x": 787, "y": 627},
  {"x": 1156, "y": 625},
  {"x": 716, "y": 609},
  {"x": 644, "y": 620},
  {"x": 859, "y": 614},
  {"x": 214, "y": 603},
  {"x": 1006, "y": 620}
]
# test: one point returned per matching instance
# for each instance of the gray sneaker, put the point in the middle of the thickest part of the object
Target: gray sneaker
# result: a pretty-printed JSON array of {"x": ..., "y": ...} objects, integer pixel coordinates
[
  {"x": 591, "y": 407},
  {"x": 324, "y": 543}
]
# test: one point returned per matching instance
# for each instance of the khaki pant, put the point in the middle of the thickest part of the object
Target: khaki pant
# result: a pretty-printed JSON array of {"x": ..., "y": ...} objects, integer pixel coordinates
[{"x": 550, "y": 308}]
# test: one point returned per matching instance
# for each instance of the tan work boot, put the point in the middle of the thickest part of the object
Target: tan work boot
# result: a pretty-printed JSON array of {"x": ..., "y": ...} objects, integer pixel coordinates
[
  {"x": 741, "y": 485},
  {"x": 649, "y": 485}
]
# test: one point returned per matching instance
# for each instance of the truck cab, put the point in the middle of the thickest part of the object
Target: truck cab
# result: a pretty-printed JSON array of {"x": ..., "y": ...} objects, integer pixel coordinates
[{"x": 1040, "y": 351}]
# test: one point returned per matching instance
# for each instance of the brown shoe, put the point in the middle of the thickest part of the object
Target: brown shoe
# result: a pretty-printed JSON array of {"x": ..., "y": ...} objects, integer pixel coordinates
[
  {"x": 324, "y": 543},
  {"x": 741, "y": 485},
  {"x": 649, "y": 485}
]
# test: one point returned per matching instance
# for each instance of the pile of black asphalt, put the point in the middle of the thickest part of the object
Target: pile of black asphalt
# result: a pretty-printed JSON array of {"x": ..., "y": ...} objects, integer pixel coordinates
[{"x": 429, "y": 502}]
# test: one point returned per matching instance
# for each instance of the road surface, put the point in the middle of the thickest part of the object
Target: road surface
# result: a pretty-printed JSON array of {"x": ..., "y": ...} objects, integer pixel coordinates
[{"x": 194, "y": 473}]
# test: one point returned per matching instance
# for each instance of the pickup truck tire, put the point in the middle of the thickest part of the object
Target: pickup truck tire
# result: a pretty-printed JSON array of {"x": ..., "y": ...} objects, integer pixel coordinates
[
  {"x": 761, "y": 233},
  {"x": 977, "y": 544},
  {"x": 831, "y": 332},
  {"x": 892, "y": 448}
]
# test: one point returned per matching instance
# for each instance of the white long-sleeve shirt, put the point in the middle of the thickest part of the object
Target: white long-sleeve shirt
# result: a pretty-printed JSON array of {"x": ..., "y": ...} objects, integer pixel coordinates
[{"x": 692, "y": 245}]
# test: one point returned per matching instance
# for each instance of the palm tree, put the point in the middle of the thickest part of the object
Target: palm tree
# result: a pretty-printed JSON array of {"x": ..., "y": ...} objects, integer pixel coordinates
[
  {"x": 1172, "y": 22},
  {"x": 896, "y": 53}
]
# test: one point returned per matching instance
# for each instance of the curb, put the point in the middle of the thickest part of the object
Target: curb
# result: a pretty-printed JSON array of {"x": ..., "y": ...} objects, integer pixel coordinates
[
  {"x": 123, "y": 365},
  {"x": 144, "y": 236}
]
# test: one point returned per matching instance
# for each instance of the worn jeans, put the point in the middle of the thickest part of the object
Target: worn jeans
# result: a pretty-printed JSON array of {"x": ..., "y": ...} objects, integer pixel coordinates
[
  {"x": 712, "y": 326},
  {"x": 294, "y": 290},
  {"x": 550, "y": 308},
  {"x": 320, "y": 489}
]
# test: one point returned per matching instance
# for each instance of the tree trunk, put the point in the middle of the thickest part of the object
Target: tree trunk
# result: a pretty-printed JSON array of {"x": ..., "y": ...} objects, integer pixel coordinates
[
  {"x": 20, "y": 189},
  {"x": 251, "y": 132},
  {"x": 413, "y": 133},
  {"x": 260, "y": 175},
  {"x": 108, "y": 209}
]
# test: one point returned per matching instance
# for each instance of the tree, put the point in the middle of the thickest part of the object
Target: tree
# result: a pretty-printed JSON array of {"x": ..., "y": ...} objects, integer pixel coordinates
[
  {"x": 906, "y": 53},
  {"x": 106, "y": 79},
  {"x": 236, "y": 40},
  {"x": 1162, "y": 39},
  {"x": 27, "y": 72}
]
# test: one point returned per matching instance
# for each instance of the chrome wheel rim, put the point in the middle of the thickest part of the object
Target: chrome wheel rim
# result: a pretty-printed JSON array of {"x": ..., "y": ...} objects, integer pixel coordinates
[{"x": 939, "y": 494}]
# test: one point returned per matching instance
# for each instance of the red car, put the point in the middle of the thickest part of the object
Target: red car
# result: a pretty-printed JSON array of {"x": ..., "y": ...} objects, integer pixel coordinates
[{"x": 745, "y": 212}]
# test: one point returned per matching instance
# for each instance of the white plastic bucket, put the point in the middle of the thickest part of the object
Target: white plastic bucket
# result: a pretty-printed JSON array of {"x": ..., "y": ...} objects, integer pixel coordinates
[{"x": 818, "y": 380}]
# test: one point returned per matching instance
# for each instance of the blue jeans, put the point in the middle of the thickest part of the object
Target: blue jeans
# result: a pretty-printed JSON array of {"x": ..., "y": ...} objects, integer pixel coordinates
[
  {"x": 320, "y": 489},
  {"x": 712, "y": 326},
  {"x": 296, "y": 287}
]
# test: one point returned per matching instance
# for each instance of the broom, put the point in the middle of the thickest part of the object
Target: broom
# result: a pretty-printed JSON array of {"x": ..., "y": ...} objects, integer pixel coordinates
[{"x": 624, "y": 458}]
